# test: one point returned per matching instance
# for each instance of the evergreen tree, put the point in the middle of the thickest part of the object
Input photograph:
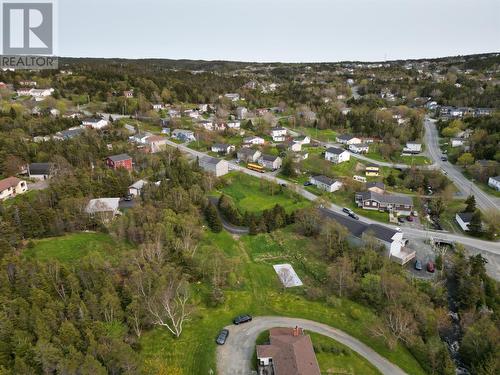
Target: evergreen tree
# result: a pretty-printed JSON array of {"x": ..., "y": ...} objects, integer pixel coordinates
[
  {"x": 471, "y": 204},
  {"x": 475, "y": 226},
  {"x": 213, "y": 219}
]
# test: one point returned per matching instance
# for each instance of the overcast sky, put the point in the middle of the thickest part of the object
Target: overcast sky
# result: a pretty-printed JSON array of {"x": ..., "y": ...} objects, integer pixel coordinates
[{"x": 277, "y": 30}]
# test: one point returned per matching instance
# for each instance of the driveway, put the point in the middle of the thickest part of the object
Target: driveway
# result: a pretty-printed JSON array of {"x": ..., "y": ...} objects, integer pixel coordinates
[{"x": 235, "y": 357}]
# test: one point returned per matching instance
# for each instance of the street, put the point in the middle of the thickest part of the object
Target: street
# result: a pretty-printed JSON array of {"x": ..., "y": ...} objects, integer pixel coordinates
[{"x": 465, "y": 186}]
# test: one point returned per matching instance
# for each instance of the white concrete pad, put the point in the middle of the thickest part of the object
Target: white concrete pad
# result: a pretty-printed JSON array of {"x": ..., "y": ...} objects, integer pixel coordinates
[{"x": 287, "y": 275}]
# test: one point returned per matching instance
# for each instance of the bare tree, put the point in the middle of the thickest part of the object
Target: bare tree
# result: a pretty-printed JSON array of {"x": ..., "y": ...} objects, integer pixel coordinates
[
  {"x": 341, "y": 275},
  {"x": 167, "y": 303},
  {"x": 401, "y": 323}
]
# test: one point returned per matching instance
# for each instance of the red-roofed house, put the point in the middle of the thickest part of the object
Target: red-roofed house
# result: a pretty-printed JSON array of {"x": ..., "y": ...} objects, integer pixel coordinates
[{"x": 119, "y": 161}]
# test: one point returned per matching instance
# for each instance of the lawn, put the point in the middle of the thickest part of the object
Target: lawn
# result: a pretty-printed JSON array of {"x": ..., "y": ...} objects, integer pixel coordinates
[
  {"x": 325, "y": 135},
  {"x": 72, "y": 247},
  {"x": 335, "y": 358},
  {"x": 254, "y": 195},
  {"x": 258, "y": 292}
]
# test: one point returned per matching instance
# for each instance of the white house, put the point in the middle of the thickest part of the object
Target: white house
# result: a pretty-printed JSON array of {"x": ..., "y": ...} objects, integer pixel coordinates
[
  {"x": 103, "y": 208},
  {"x": 326, "y": 183},
  {"x": 216, "y": 166},
  {"x": 95, "y": 122},
  {"x": 158, "y": 106},
  {"x": 254, "y": 140},
  {"x": 12, "y": 186},
  {"x": 337, "y": 155},
  {"x": 207, "y": 125},
  {"x": 233, "y": 124},
  {"x": 232, "y": 96},
  {"x": 457, "y": 142},
  {"x": 248, "y": 155},
  {"x": 278, "y": 134},
  {"x": 494, "y": 182},
  {"x": 222, "y": 148},
  {"x": 183, "y": 135},
  {"x": 270, "y": 162},
  {"x": 412, "y": 148},
  {"x": 40, "y": 171},
  {"x": 140, "y": 138},
  {"x": 156, "y": 143},
  {"x": 305, "y": 140},
  {"x": 241, "y": 113},
  {"x": 463, "y": 219},
  {"x": 136, "y": 188},
  {"x": 359, "y": 148},
  {"x": 347, "y": 139},
  {"x": 35, "y": 93},
  {"x": 294, "y": 146}
]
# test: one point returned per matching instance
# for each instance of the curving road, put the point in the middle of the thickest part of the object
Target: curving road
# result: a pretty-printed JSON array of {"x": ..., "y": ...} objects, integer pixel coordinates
[
  {"x": 235, "y": 357},
  {"x": 465, "y": 186}
]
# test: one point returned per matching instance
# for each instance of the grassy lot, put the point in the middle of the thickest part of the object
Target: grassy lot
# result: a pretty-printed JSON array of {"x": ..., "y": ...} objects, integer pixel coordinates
[
  {"x": 254, "y": 195},
  {"x": 259, "y": 292},
  {"x": 335, "y": 358},
  {"x": 72, "y": 247},
  {"x": 325, "y": 135}
]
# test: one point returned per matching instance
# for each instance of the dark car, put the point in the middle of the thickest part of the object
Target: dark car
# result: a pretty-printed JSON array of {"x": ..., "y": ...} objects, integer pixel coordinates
[
  {"x": 444, "y": 158},
  {"x": 409, "y": 218},
  {"x": 307, "y": 183},
  {"x": 430, "y": 267},
  {"x": 353, "y": 215},
  {"x": 347, "y": 210},
  {"x": 222, "y": 337},
  {"x": 418, "y": 265},
  {"x": 242, "y": 319},
  {"x": 283, "y": 185}
]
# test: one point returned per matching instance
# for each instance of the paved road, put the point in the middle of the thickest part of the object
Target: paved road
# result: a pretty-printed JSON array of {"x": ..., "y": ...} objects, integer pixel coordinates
[
  {"x": 233, "y": 229},
  {"x": 465, "y": 186},
  {"x": 234, "y": 358},
  {"x": 487, "y": 248}
]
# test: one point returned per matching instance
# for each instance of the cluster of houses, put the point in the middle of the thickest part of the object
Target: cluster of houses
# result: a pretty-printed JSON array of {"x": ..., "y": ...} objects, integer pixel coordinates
[{"x": 459, "y": 112}]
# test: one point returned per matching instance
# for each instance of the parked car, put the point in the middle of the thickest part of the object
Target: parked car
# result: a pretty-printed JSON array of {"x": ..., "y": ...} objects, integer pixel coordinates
[
  {"x": 398, "y": 229},
  {"x": 347, "y": 210},
  {"x": 242, "y": 319},
  {"x": 418, "y": 265},
  {"x": 283, "y": 185},
  {"x": 307, "y": 183},
  {"x": 409, "y": 218},
  {"x": 430, "y": 266},
  {"x": 444, "y": 158},
  {"x": 353, "y": 216},
  {"x": 222, "y": 337}
]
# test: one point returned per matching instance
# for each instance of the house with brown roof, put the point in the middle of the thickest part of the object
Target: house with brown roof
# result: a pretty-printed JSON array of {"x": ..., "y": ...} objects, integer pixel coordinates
[
  {"x": 289, "y": 352},
  {"x": 11, "y": 186}
]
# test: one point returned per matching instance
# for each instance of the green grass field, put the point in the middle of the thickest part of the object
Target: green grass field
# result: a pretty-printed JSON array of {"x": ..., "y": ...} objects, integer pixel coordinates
[
  {"x": 257, "y": 291},
  {"x": 335, "y": 358},
  {"x": 254, "y": 195},
  {"x": 72, "y": 247},
  {"x": 325, "y": 135}
]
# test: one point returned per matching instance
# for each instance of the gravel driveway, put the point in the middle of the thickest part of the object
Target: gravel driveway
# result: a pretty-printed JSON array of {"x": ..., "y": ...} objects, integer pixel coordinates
[{"x": 234, "y": 358}]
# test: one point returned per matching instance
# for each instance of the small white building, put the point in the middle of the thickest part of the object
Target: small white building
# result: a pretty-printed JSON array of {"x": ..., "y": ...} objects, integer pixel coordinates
[
  {"x": 222, "y": 148},
  {"x": 494, "y": 182},
  {"x": 232, "y": 96},
  {"x": 347, "y": 139},
  {"x": 254, "y": 140},
  {"x": 158, "y": 106},
  {"x": 12, "y": 186},
  {"x": 248, "y": 155},
  {"x": 337, "y": 155},
  {"x": 233, "y": 124},
  {"x": 183, "y": 135},
  {"x": 457, "y": 142},
  {"x": 359, "y": 148},
  {"x": 278, "y": 134},
  {"x": 241, "y": 113},
  {"x": 136, "y": 188},
  {"x": 270, "y": 162},
  {"x": 326, "y": 183},
  {"x": 463, "y": 219},
  {"x": 412, "y": 148},
  {"x": 95, "y": 122},
  {"x": 207, "y": 125},
  {"x": 216, "y": 166},
  {"x": 305, "y": 140}
]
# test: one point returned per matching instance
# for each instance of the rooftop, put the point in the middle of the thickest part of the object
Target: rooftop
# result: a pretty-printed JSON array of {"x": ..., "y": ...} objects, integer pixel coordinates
[
  {"x": 335, "y": 150},
  {"x": 120, "y": 157},
  {"x": 324, "y": 180},
  {"x": 9, "y": 182}
]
